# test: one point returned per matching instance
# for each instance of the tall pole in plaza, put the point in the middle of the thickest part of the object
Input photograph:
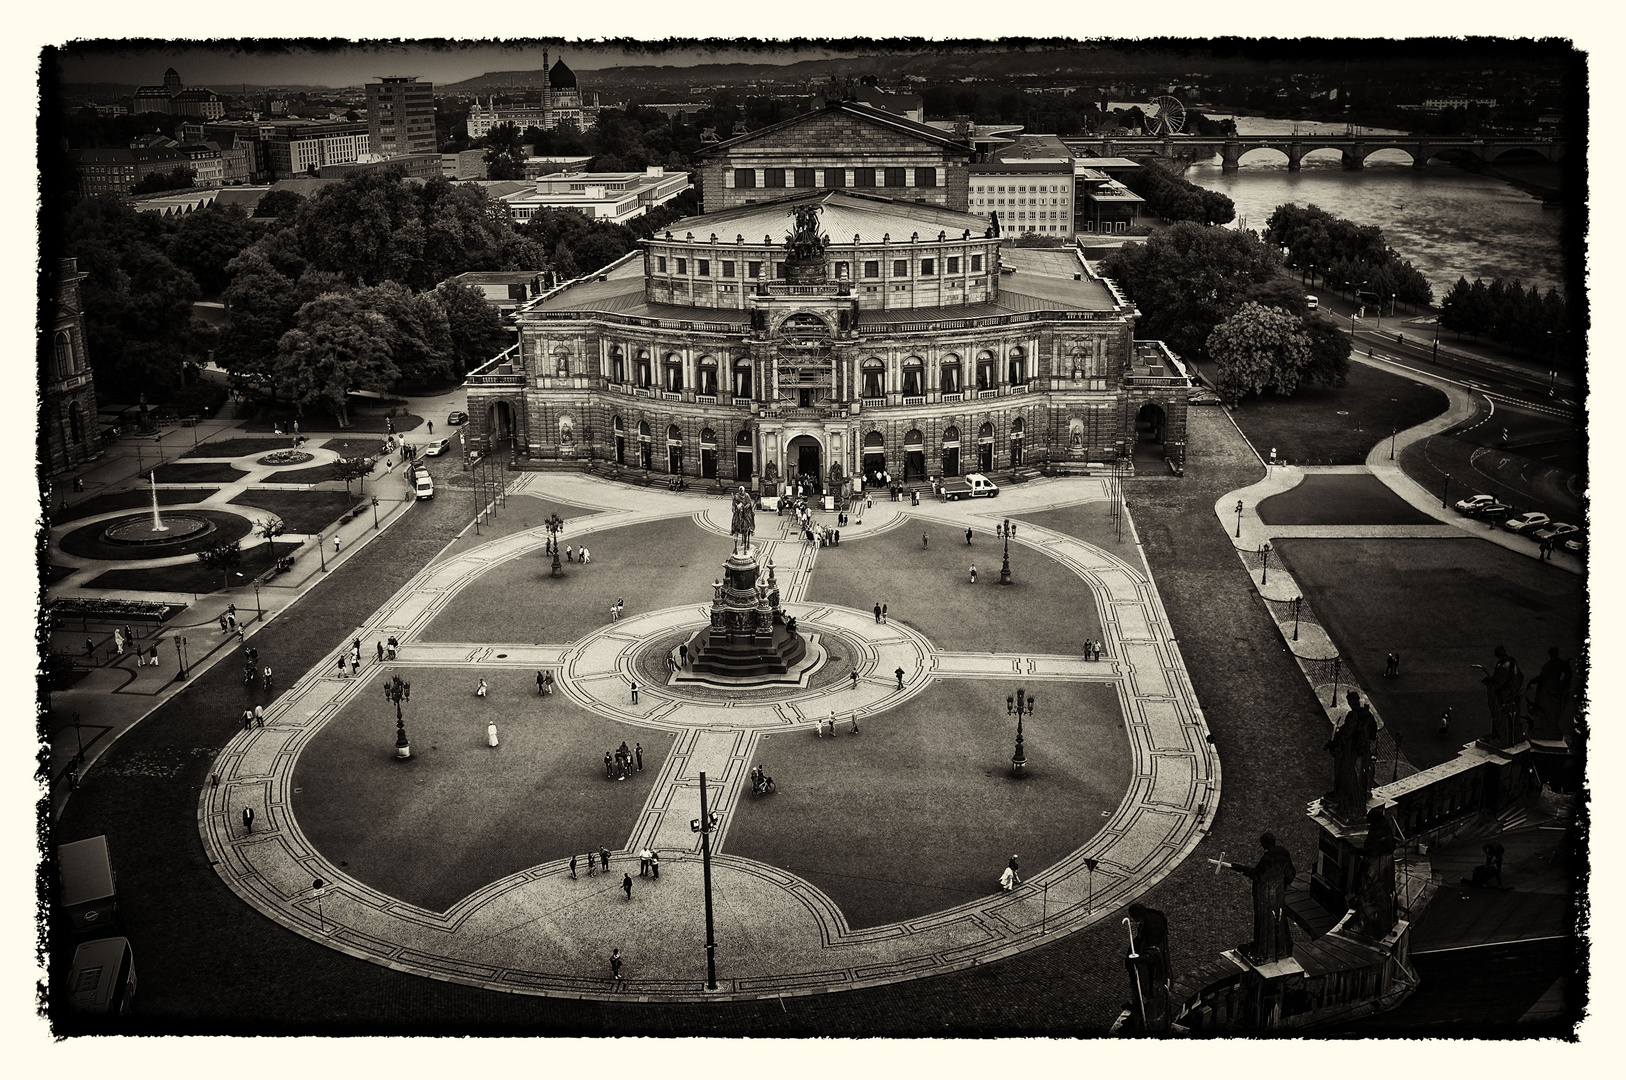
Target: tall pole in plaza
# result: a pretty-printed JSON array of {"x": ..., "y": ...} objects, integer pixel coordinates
[
  {"x": 1019, "y": 706},
  {"x": 1239, "y": 519},
  {"x": 397, "y": 690},
  {"x": 555, "y": 525},
  {"x": 704, "y": 824},
  {"x": 1006, "y": 531}
]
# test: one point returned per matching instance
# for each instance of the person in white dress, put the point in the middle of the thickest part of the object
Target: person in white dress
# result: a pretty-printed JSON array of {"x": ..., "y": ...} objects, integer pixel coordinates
[{"x": 491, "y": 734}]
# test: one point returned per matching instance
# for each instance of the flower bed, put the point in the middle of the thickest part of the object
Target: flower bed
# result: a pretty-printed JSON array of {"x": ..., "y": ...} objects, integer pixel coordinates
[
  {"x": 286, "y": 457},
  {"x": 96, "y": 607}
]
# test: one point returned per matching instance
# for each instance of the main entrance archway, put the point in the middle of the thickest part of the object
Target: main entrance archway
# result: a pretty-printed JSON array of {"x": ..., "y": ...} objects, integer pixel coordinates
[
  {"x": 874, "y": 458},
  {"x": 500, "y": 422},
  {"x": 803, "y": 460}
]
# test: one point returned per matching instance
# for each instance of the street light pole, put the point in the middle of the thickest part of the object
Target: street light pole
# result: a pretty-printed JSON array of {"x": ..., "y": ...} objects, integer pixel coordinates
[
  {"x": 1005, "y": 571},
  {"x": 1394, "y": 430},
  {"x": 1264, "y": 552},
  {"x": 397, "y": 690},
  {"x": 180, "y": 658},
  {"x": 1239, "y": 519},
  {"x": 258, "y": 607},
  {"x": 321, "y": 551},
  {"x": 555, "y": 525},
  {"x": 704, "y": 824},
  {"x": 1020, "y": 706},
  {"x": 1298, "y": 603},
  {"x": 1445, "y": 499},
  {"x": 375, "y": 511}
]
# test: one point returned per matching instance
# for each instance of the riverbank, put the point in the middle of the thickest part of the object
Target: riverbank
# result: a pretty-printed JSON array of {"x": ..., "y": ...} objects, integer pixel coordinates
[{"x": 1545, "y": 181}]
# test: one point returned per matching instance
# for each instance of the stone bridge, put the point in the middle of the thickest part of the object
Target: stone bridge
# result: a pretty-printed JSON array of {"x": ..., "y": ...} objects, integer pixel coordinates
[{"x": 1354, "y": 148}]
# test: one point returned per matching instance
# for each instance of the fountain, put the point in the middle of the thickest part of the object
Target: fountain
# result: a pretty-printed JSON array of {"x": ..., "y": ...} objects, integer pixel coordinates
[{"x": 158, "y": 525}]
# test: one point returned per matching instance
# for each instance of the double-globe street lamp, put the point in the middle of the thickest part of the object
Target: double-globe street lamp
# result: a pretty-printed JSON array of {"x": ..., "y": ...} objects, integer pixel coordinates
[
  {"x": 1006, "y": 531},
  {"x": 397, "y": 690},
  {"x": 1019, "y": 706},
  {"x": 555, "y": 525}
]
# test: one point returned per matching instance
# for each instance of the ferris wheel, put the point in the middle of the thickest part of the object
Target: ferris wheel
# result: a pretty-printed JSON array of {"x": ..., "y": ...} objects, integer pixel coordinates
[{"x": 1164, "y": 115}]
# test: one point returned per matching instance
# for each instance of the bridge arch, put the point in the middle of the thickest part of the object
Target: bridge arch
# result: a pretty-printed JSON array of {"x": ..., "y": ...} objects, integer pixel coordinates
[{"x": 1512, "y": 155}]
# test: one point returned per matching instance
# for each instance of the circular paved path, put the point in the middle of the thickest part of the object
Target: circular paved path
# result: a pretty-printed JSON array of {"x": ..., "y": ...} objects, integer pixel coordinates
[{"x": 540, "y": 932}]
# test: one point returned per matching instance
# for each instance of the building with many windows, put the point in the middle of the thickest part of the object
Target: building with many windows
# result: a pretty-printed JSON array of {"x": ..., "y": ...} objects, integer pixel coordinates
[
  {"x": 68, "y": 432},
  {"x": 561, "y": 103},
  {"x": 294, "y": 147},
  {"x": 832, "y": 334},
  {"x": 612, "y": 197},
  {"x": 401, "y": 116},
  {"x": 1029, "y": 184}
]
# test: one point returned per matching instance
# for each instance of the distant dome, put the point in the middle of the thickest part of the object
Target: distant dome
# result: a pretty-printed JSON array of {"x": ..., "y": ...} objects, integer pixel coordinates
[{"x": 561, "y": 77}]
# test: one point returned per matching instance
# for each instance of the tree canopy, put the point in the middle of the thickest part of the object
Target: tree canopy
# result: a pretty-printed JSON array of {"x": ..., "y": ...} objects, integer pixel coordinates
[
  {"x": 1257, "y": 349},
  {"x": 1356, "y": 255},
  {"x": 337, "y": 345}
]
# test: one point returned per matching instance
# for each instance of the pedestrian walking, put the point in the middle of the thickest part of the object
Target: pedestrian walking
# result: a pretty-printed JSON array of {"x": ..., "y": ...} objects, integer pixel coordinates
[
  {"x": 570, "y": 553},
  {"x": 539, "y": 684},
  {"x": 128, "y": 636},
  {"x": 643, "y": 863},
  {"x": 877, "y": 612},
  {"x": 259, "y": 716},
  {"x": 1089, "y": 648},
  {"x": 390, "y": 647},
  {"x": 655, "y": 864},
  {"x": 634, "y": 691},
  {"x": 335, "y": 545},
  {"x": 925, "y": 541},
  {"x": 604, "y": 857},
  {"x": 1445, "y": 724},
  {"x": 248, "y": 820},
  {"x": 224, "y": 629},
  {"x": 231, "y": 609},
  {"x": 239, "y": 634},
  {"x": 683, "y": 654},
  {"x": 380, "y": 652},
  {"x": 968, "y": 538},
  {"x": 592, "y": 864},
  {"x": 615, "y": 965},
  {"x": 355, "y": 666},
  {"x": 491, "y": 734},
  {"x": 638, "y": 752},
  {"x": 153, "y": 655},
  {"x": 619, "y": 604},
  {"x": 231, "y": 622},
  {"x": 267, "y": 670},
  {"x": 883, "y": 613},
  {"x": 899, "y": 674},
  {"x": 853, "y": 675},
  {"x": 118, "y": 640},
  {"x": 480, "y": 691},
  {"x": 342, "y": 674},
  {"x": 626, "y": 885},
  {"x": 573, "y": 868},
  {"x": 615, "y": 613},
  {"x": 586, "y": 556},
  {"x": 608, "y": 765},
  {"x": 248, "y": 719},
  {"x": 431, "y": 427},
  {"x": 973, "y": 573},
  {"x": 1099, "y": 650}
]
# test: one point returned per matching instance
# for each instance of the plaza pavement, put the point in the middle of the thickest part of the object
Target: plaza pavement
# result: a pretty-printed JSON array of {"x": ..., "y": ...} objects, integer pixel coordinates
[{"x": 540, "y": 932}]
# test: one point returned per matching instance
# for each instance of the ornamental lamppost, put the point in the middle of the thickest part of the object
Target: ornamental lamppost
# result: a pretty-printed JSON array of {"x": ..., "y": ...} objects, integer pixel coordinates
[
  {"x": 397, "y": 690},
  {"x": 555, "y": 525},
  {"x": 1239, "y": 519},
  {"x": 1298, "y": 605},
  {"x": 705, "y": 824},
  {"x": 1264, "y": 553},
  {"x": 1006, "y": 531},
  {"x": 375, "y": 510},
  {"x": 1019, "y": 706}
]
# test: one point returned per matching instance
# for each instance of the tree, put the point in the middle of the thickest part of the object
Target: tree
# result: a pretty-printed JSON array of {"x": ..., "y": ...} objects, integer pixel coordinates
[
  {"x": 177, "y": 179},
  {"x": 1188, "y": 278},
  {"x": 419, "y": 339},
  {"x": 206, "y": 241},
  {"x": 278, "y": 204},
  {"x": 505, "y": 153},
  {"x": 476, "y": 328},
  {"x": 1329, "y": 353},
  {"x": 367, "y": 229},
  {"x": 269, "y": 529},
  {"x": 262, "y": 305},
  {"x": 222, "y": 557},
  {"x": 336, "y": 346},
  {"x": 355, "y": 468},
  {"x": 1257, "y": 349}
]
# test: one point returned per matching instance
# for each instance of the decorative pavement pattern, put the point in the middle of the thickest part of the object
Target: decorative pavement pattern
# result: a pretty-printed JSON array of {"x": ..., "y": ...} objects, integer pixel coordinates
[{"x": 540, "y": 932}]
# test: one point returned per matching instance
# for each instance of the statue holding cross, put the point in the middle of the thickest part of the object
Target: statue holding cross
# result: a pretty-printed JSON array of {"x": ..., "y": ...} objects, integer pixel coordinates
[{"x": 1272, "y": 935}]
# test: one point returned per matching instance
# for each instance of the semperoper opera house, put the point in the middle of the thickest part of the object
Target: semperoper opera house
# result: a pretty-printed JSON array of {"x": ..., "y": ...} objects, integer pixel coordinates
[{"x": 834, "y": 332}]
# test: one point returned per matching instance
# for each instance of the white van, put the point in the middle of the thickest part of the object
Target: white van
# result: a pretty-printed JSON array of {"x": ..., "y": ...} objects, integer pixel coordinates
[
  {"x": 969, "y": 486},
  {"x": 422, "y": 484},
  {"x": 1311, "y": 302}
]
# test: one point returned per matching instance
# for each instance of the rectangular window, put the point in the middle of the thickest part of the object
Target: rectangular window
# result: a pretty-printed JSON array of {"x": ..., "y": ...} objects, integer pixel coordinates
[
  {"x": 928, "y": 267},
  {"x": 753, "y": 269},
  {"x": 900, "y": 268},
  {"x": 926, "y": 177},
  {"x": 683, "y": 266},
  {"x": 745, "y": 178},
  {"x": 779, "y": 270},
  {"x": 863, "y": 178},
  {"x": 773, "y": 178},
  {"x": 660, "y": 264},
  {"x": 872, "y": 268},
  {"x": 897, "y": 177},
  {"x": 806, "y": 178},
  {"x": 953, "y": 264},
  {"x": 976, "y": 264},
  {"x": 728, "y": 268},
  {"x": 1002, "y": 190},
  {"x": 705, "y": 267},
  {"x": 835, "y": 178}
]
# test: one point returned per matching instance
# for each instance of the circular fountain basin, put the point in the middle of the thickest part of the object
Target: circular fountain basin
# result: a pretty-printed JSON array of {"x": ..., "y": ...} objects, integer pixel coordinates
[{"x": 140, "y": 531}]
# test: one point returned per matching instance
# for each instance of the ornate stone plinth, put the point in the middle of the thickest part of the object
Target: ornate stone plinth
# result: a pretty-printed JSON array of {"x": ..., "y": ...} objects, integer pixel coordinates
[{"x": 749, "y": 638}]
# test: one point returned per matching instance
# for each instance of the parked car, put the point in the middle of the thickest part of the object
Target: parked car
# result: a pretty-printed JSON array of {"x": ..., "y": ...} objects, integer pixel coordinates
[
  {"x": 1557, "y": 531},
  {"x": 1576, "y": 544},
  {"x": 1473, "y": 503},
  {"x": 437, "y": 448},
  {"x": 1526, "y": 522},
  {"x": 1491, "y": 511},
  {"x": 454, "y": 418}
]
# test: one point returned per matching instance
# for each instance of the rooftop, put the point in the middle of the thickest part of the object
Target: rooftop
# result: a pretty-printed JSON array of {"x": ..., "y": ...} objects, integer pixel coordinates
[{"x": 845, "y": 215}]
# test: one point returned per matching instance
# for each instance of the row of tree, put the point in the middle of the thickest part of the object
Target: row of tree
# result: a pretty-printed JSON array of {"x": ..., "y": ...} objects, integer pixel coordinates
[
  {"x": 1174, "y": 198},
  {"x": 1507, "y": 311},
  {"x": 1219, "y": 294},
  {"x": 1355, "y": 255}
]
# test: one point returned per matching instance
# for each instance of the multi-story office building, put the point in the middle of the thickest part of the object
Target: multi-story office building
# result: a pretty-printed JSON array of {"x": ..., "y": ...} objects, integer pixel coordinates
[
  {"x": 612, "y": 197},
  {"x": 293, "y": 147},
  {"x": 1029, "y": 184},
  {"x": 401, "y": 116}
]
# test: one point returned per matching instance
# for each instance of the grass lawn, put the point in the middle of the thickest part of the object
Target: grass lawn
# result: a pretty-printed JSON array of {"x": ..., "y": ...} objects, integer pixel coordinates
[
  {"x": 232, "y": 448},
  {"x": 192, "y": 577},
  {"x": 521, "y": 513},
  {"x": 919, "y": 812},
  {"x": 349, "y": 448},
  {"x": 459, "y": 813},
  {"x": 300, "y": 511},
  {"x": 321, "y": 422},
  {"x": 196, "y": 472},
  {"x": 1340, "y": 499},
  {"x": 654, "y": 565},
  {"x": 128, "y": 500},
  {"x": 1090, "y": 522},
  {"x": 54, "y": 573},
  {"x": 87, "y": 543},
  {"x": 311, "y": 474},
  {"x": 1322, "y": 426},
  {"x": 1046, "y": 609},
  {"x": 1443, "y": 605}
]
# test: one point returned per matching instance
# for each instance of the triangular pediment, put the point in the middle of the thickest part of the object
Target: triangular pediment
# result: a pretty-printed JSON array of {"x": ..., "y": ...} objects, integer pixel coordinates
[{"x": 858, "y": 122}]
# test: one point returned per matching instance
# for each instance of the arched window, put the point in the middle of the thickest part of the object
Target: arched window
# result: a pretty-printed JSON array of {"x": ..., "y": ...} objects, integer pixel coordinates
[
  {"x": 874, "y": 440},
  {"x": 949, "y": 379},
  {"x": 742, "y": 378},
  {"x": 674, "y": 449},
  {"x": 708, "y": 376},
  {"x": 1017, "y": 362},
  {"x": 874, "y": 372},
  {"x": 707, "y": 435},
  {"x": 644, "y": 375},
  {"x": 618, "y": 366},
  {"x": 743, "y": 438},
  {"x": 643, "y": 429},
  {"x": 1018, "y": 429},
  {"x": 985, "y": 370},
  {"x": 951, "y": 436},
  {"x": 914, "y": 377},
  {"x": 674, "y": 434},
  {"x": 985, "y": 432},
  {"x": 615, "y": 422},
  {"x": 64, "y": 355},
  {"x": 646, "y": 455},
  {"x": 951, "y": 451},
  {"x": 672, "y": 373}
]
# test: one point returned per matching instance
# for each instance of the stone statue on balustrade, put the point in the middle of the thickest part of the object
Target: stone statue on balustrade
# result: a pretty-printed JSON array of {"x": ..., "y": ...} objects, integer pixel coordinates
[
  {"x": 1502, "y": 686},
  {"x": 1147, "y": 962},
  {"x": 1374, "y": 900},
  {"x": 1351, "y": 749},
  {"x": 1549, "y": 702},
  {"x": 745, "y": 519},
  {"x": 1271, "y": 875}
]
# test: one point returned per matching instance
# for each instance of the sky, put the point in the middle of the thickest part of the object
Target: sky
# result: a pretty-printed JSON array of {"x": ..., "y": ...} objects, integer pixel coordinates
[{"x": 219, "y": 64}]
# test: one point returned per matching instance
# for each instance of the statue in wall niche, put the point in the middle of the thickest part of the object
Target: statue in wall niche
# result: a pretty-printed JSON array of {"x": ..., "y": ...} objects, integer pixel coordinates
[
  {"x": 837, "y": 476},
  {"x": 567, "y": 429},
  {"x": 1351, "y": 749},
  {"x": 770, "y": 472},
  {"x": 1375, "y": 889}
]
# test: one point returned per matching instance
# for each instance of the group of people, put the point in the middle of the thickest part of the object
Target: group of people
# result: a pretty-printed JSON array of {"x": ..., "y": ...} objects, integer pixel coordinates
[
  {"x": 583, "y": 556},
  {"x": 622, "y": 763},
  {"x": 351, "y": 658},
  {"x": 819, "y": 725},
  {"x": 1093, "y": 649}
]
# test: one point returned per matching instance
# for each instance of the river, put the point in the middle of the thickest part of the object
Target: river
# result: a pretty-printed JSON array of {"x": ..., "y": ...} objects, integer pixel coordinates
[{"x": 1447, "y": 222}]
